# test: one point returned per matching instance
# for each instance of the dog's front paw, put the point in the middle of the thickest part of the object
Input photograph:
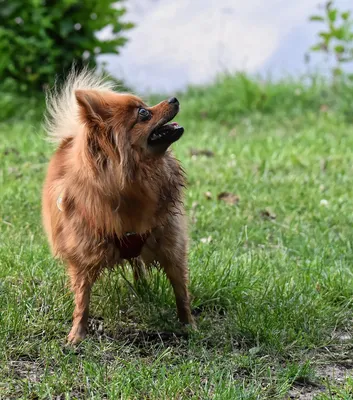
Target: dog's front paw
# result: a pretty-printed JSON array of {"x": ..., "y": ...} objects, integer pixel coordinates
[{"x": 76, "y": 335}]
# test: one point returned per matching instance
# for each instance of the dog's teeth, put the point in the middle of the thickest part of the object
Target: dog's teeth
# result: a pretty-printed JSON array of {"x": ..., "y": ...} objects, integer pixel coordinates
[{"x": 156, "y": 135}]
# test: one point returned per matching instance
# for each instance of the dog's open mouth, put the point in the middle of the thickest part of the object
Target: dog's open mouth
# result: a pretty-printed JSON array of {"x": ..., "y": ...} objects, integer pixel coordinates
[{"x": 165, "y": 134}]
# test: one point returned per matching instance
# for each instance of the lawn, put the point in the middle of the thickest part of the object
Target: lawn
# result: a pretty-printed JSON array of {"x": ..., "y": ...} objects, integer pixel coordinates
[{"x": 269, "y": 199}]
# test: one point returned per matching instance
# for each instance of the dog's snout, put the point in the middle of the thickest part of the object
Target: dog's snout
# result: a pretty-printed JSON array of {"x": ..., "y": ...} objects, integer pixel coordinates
[{"x": 173, "y": 100}]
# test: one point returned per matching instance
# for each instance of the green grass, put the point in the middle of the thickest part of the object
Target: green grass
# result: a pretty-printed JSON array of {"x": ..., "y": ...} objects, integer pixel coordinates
[{"x": 271, "y": 277}]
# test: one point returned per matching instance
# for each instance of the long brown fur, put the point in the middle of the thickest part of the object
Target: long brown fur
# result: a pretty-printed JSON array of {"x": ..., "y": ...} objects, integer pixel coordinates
[{"x": 109, "y": 182}]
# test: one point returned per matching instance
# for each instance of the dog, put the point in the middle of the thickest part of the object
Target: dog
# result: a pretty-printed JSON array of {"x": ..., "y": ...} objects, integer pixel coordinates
[{"x": 113, "y": 190}]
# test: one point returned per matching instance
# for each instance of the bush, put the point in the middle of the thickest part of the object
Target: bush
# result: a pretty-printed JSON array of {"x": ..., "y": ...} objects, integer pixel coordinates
[
  {"x": 42, "y": 38},
  {"x": 337, "y": 39}
]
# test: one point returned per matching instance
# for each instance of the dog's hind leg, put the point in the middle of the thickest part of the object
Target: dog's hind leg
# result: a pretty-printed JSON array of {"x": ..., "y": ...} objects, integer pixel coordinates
[
  {"x": 170, "y": 249},
  {"x": 138, "y": 269},
  {"x": 177, "y": 273}
]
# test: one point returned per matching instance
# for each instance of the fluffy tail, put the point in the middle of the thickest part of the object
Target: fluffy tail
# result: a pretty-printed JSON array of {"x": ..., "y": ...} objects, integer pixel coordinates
[{"x": 61, "y": 118}]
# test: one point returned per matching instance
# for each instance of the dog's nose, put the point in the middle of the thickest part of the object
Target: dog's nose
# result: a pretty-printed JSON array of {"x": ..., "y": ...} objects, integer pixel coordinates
[{"x": 173, "y": 100}]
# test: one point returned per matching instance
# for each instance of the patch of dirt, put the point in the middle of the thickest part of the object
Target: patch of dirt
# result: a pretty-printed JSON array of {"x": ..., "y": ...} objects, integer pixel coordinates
[
  {"x": 24, "y": 369},
  {"x": 143, "y": 337},
  {"x": 21, "y": 371},
  {"x": 17, "y": 372},
  {"x": 305, "y": 392},
  {"x": 201, "y": 152},
  {"x": 335, "y": 373},
  {"x": 136, "y": 337},
  {"x": 15, "y": 171},
  {"x": 342, "y": 336},
  {"x": 229, "y": 198},
  {"x": 208, "y": 195},
  {"x": 268, "y": 214},
  {"x": 96, "y": 325},
  {"x": 10, "y": 150}
]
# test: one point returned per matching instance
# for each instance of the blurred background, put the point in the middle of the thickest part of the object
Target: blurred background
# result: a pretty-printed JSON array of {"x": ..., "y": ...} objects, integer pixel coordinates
[
  {"x": 164, "y": 46},
  {"x": 178, "y": 43}
]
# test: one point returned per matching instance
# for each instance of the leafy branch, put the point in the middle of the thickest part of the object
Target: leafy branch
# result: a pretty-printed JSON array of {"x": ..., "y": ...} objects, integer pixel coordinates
[{"x": 337, "y": 38}]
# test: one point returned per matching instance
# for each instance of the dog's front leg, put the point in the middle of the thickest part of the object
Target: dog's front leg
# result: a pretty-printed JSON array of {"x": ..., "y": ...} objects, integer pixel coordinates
[{"x": 81, "y": 283}]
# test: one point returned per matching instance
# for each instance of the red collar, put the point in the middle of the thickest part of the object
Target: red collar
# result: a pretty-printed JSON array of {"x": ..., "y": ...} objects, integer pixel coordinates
[{"x": 130, "y": 245}]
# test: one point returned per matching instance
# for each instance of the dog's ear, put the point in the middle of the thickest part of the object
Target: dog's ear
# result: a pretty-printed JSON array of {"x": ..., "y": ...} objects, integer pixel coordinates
[{"x": 92, "y": 107}]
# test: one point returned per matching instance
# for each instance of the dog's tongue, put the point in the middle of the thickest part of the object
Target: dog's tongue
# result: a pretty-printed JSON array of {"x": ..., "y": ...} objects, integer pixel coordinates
[{"x": 175, "y": 124}]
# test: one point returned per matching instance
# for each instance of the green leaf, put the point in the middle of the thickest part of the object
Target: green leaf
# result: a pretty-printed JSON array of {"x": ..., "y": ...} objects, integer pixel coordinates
[
  {"x": 317, "y": 47},
  {"x": 326, "y": 36},
  {"x": 332, "y": 15},
  {"x": 345, "y": 15},
  {"x": 339, "y": 33},
  {"x": 339, "y": 49},
  {"x": 317, "y": 18}
]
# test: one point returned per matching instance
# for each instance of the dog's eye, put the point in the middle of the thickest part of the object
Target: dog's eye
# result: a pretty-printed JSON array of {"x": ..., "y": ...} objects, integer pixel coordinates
[{"x": 144, "y": 114}]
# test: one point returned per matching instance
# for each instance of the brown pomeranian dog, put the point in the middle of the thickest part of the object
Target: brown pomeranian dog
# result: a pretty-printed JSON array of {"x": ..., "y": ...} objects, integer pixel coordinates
[{"x": 113, "y": 190}]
